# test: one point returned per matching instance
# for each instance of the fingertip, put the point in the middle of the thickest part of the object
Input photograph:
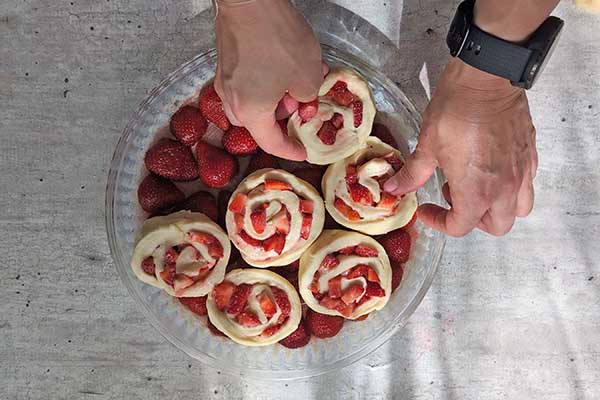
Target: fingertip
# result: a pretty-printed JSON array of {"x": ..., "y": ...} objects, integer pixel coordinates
[
  {"x": 391, "y": 185},
  {"x": 286, "y": 107}
]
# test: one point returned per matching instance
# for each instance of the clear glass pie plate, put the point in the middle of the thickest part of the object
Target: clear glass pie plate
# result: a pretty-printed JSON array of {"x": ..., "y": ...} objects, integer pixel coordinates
[{"x": 188, "y": 331}]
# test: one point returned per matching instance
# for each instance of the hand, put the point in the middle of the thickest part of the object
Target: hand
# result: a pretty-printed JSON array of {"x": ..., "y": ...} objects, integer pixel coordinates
[
  {"x": 265, "y": 50},
  {"x": 478, "y": 130}
]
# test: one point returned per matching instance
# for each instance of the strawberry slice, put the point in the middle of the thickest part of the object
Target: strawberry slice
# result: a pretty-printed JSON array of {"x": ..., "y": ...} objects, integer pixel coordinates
[
  {"x": 266, "y": 305},
  {"x": 337, "y": 120},
  {"x": 273, "y": 184},
  {"x": 346, "y": 210},
  {"x": 270, "y": 331},
  {"x": 372, "y": 275},
  {"x": 357, "y": 110},
  {"x": 148, "y": 266},
  {"x": 307, "y": 111},
  {"x": 282, "y": 222},
  {"x": 181, "y": 282},
  {"x": 347, "y": 250},
  {"x": 249, "y": 239},
  {"x": 214, "y": 247},
  {"x": 314, "y": 285},
  {"x": 358, "y": 271},
  {"x": 306, "y": 224},
  {"x": 362, "y": 300},
  {"x": 248, "y": 319},
  {"x": 238, "y": 219},
  {"x": 259, "y": 219},
  {"x": 331, "y": 303},
  {"x": 340, "y": 94},
  {"x": 352, "y": 293},
  {"x": 306, "y": 206},
  {"x": 360, "y": 194},
  {"x": 237, "y": 203},
  {"x": 362, "y": 250},
  {"x": 351, "y": 175},
  {"x": 239, "y": 298},
  {"x": 275, "y": 242},
  {"x": 222, "y": 294},
  {"x": 329, "y": 262},
  {"x": 327, "y": 133},
  {"x": 171, "y": 256},
  {"x": 346, "y": 310},
  {"x": 168, "y": 274},
  {"x": 282, "y": 301},
  {"x": 374, "y": 290},
  {"x": 335, "y": 287},
  {"x": 388, "y": 201}
]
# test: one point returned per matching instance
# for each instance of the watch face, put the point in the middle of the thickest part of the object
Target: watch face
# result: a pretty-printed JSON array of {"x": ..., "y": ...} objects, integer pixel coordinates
[{"x": 457, "y": 33}]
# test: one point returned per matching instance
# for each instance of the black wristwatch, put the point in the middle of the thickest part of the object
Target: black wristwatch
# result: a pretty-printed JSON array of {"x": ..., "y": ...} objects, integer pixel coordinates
[{"x": 519, "y": 63}]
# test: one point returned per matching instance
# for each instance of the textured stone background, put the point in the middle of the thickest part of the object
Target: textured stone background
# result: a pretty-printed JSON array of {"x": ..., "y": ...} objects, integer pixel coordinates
[{"x": 516, "y": 317}]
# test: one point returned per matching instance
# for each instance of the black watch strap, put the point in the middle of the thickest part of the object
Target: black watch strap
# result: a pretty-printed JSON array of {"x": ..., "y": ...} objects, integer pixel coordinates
[{"x": 494, "y": 55}]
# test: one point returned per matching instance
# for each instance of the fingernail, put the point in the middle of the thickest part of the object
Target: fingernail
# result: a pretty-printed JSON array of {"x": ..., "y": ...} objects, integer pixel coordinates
[{"x": 390, "y": 185}]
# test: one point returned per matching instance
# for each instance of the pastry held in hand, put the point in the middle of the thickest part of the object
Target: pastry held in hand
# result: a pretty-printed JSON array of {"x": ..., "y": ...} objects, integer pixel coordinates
[
  {"x": 354, "y": 194},
  {"x": 345, "y": 273},
  {"x": 343, "y": 120},
  {"x": 254, "y": 307},
  {"x": 184, "y": 253},
  {"x": 273, "y": 216}
]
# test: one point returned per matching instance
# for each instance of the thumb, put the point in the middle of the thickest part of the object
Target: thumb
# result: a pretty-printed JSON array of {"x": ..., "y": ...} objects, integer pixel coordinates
[{"x": 413, "y": 174}]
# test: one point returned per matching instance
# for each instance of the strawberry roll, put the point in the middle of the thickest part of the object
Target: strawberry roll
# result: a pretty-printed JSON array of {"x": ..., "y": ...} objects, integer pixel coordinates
[
  {"x": 273, "y": 216},
  {"x": 354, "y": 194},
  {"x": 342, "y": 121},
  {"x": 184, "y": 253},
  {"x": 345, "y": 273},
  {"x": 254, "y": 307}
]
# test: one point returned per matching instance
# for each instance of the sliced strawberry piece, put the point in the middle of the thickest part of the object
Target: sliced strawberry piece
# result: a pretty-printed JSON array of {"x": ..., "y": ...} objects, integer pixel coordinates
[
  {"x": 275, "y": 242},
  {"x": 323, "y": 326},
  {"x": 329, "y": 262},
  {"x": 340, "y": 94},
  {"x": 360, "y": 194},
  {"x": 168, "y": 274},
  {"x": 362, "y": 300},
  {"x": 306, "y": 224},
  {"x": 358, "y": 271},
  {"x": 215, "y": 249},
  {"x": 181, "y": 282},
  {"x": 282, "y": 301},
  {"x": 346, "y": 311},
  {"x": 270, "y": 331},
  {"x": 374, "y": 290},
  {"x": 372, "y": 275},
  {"x": 397, "y": 272},
  {"x": 148, "y": 266},
  {"x": 388, "y": 201},
  {"x": 352, "y": 293},
  {"x": 222, "y": 294},
  {"x": 273, "y": 184},
  {"x": 314, "y": 285},
  {"x": 239, "y": 298},
  {"x": 299, "y": 338},
  {"x": 197, "y": 305},
  {"x": 306, "y": 206},
  {"x": 249, "y": 239},
  {"x": 357, "y": 110},
  {"x": 347, "y": 250},
  {"x": 362, "y": 250},
  {"x": 282, "y": 222},
  {"x": 248, "y": 319},
  {"x": 351, "y": 175},
  {"x": 327, "y": 133},
  {"x": 332, "y": 303},
  {"x": 335, "y": 287},
  {"x": 266, "y": 305},
  {"x": 307, "y": 111},
  {"x": 237, "y": 203},
  {"x": 259, "y": 219},
  {"x": 346, "y": 210},
  {"x": 238, "y": 219},
  {"x": 337, "y": 120}
]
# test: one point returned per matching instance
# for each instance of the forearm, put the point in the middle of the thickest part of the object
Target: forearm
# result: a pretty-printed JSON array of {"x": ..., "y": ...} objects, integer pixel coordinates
[{"x": 512, "y": 20}]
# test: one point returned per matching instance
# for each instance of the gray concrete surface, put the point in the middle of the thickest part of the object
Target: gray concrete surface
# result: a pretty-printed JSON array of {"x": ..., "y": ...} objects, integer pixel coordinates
[{"x": 510, "y": 318}]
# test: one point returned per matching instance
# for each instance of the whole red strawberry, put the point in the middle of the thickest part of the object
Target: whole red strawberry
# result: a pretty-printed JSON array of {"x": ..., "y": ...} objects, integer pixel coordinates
[
  {"x": 172, "y": 160},
  {"x": 383, "y": 133},
  {"x": 196, "y": 305},
  {"x": 211, "y": 107},
  {"x": 261, "y": 160},
  {"x": 158, "y": 194},
  {"x": 188, "y": 125},
  {"x": 238, "y": 141},
  {"x": 397, "y": 245},
  {"x": 202, "y": 202},
  {"x": 311, "y": 175},
  {"x": 299, "y": 338},
  {"x": 397, "y": 272},
  {"x": 216, "y": 167},
  {"x": 323, "y": 326}
]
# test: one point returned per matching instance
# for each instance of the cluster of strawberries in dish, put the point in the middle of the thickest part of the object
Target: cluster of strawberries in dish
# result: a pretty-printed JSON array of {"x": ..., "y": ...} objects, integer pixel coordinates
[{"x": 298, "y": 268}]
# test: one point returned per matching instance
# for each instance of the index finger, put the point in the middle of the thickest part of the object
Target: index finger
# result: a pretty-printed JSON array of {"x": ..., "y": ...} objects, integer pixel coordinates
[{"x": 269, "y": 136}]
